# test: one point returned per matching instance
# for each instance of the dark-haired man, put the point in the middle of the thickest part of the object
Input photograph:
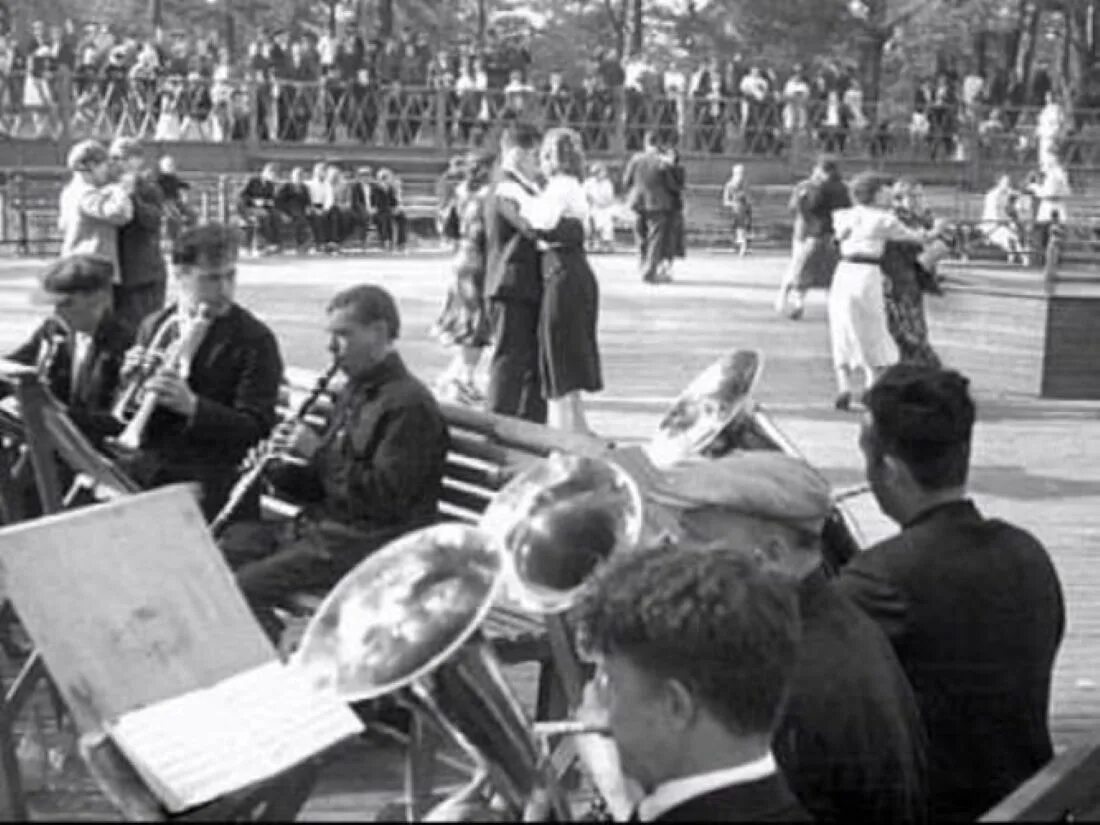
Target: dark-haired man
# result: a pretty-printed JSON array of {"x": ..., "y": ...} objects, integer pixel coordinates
[
  {"x": 79, "y": 349},
  {"x": 219, "y": 400},
  {"x": 513, "y": 280},
  {"x": 654, "y": 187},
  {"x": 972, "y": 605},
  {"x": 693, "y": 653},
  {"x": 144, "y": 277},
  {"x": 850, "y": 739},
  {"x": 373, "y": 475}
]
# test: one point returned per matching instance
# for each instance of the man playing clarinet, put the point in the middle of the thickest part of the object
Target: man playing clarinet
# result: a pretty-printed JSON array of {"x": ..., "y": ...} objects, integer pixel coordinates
[{"x": 374, "y": 474}]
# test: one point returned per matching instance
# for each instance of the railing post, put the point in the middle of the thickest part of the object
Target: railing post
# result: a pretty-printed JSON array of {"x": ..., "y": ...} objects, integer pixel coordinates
[
  {"x": 253, "y": 139},
  {"x": 223, "y": 199}
]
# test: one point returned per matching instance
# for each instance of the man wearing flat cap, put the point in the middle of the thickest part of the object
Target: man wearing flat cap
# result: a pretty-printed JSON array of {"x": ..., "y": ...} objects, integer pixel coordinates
[
  {"x": 92, "y": 208},
  {"x": 143, "y": 274},
  {"x": 850, "y": 740},
  {"x": 79, "y": 349},
  {"x": 972, "y": 605}
]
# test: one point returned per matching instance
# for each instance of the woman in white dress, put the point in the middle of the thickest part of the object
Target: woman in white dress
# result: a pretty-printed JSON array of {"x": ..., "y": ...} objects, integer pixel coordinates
[
  {"x": 858, "y": 331},
  {"x": 569, "y": 355}
]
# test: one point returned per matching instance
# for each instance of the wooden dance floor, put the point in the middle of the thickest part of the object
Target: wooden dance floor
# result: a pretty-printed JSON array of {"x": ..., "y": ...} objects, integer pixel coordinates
[{"x": 1036, "y": 463}]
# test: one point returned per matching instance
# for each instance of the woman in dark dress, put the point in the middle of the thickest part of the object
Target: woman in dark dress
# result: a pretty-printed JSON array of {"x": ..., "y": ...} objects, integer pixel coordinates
[
  {"x": 464, "y": 324},
  {"x": 569, "y": 354},
  {"x": 907, "y": 280}
]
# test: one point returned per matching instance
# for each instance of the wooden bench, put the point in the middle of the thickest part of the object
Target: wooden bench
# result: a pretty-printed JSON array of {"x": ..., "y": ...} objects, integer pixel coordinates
[{"x": 1067, "y": 789}]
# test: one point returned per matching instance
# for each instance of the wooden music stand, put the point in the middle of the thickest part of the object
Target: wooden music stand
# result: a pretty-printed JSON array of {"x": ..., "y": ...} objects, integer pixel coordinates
[{"x": 149, "y": 647}]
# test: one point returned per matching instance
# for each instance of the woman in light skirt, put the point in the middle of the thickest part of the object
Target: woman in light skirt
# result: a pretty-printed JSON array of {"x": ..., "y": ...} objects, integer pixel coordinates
[{"x": 858, "y": 329}]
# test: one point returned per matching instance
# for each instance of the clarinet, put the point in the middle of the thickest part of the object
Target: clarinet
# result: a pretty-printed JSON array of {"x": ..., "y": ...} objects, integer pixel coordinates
[{"x": 266, "y": 453}]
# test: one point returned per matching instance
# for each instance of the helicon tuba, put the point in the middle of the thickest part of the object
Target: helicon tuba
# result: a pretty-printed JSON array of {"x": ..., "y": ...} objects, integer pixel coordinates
[{"x": 407, "y": 622}]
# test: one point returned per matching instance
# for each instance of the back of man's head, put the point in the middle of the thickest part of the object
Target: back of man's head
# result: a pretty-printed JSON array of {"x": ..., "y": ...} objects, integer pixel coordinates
[
  {"x": 713, "y": 620},
  {"x": 519, "y": 134},
  {"x": 924, "y": 417}
]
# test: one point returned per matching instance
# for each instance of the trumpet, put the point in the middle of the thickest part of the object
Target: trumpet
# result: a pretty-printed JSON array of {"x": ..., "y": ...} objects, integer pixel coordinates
[
  {"x": 158, "y": 355},
  {"x": 265, "y": 453}
]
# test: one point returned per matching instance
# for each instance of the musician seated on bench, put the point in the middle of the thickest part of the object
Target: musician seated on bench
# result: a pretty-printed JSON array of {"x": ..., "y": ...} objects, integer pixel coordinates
[
  {"x": 374, "y": 474},
  {"x": 79, "y": 348}
]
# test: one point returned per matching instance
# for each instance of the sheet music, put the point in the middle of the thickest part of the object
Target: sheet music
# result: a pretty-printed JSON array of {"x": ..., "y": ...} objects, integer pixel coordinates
[{"x": 248, "y": 728}]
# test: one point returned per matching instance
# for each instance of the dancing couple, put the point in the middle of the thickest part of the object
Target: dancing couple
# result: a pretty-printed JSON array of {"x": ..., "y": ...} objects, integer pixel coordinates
[{"x": 523, "y": 281}]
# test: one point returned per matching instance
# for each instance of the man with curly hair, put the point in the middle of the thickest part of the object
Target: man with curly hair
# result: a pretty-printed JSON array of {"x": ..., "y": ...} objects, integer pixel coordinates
[{"x": 694, "y": 651}]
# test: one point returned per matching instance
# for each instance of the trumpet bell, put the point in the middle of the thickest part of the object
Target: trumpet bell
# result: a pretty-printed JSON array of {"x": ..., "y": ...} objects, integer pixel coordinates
[
  {"x": 559, "y": 520},
  {"x": 401, "y": 612},
  {"x": 703, "y": 411}
]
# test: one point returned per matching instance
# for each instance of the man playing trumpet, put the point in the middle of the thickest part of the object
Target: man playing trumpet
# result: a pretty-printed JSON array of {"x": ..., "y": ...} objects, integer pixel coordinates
[
  {"x": 216, "y": 397},
  {"x": 373, "y": 475}
]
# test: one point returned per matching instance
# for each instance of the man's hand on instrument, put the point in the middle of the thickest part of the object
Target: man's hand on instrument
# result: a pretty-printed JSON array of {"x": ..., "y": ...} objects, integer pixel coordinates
[
  {"x": 132, "y": 362},
  {"x": 297, "y": 439},
  {"x": 172, "y": 392}
]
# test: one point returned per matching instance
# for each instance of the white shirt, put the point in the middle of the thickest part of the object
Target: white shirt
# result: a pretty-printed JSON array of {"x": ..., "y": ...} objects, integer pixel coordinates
[
  {"x": 669, "y": 795},
  {"x": 563, "y": 197},
  {"x": 864, "y": 230}
]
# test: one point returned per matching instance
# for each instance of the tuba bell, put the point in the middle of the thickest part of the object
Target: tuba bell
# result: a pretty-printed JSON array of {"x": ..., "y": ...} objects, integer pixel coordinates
[
  {"x": 406, "y": 622},
  {"x": 557, "y": 522},
  {"x": 716, "y": 414}
]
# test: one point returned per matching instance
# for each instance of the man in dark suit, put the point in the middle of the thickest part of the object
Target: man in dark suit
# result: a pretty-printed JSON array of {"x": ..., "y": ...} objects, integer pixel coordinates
[
  {"x": 219, "y": 402},
  {"x": 256, "y": 206},
  {"x": 79, "y": 349},
  {"x": 292, "y": 202},
  {"x": 972, "y": 605},
  {"x": 513, "y": 282},
  {"x": 693, "y": 654},
  {"x": 652, "y": 195},
  {"x": 850, "y": 739},
  {"x": 144, "y": 277}
]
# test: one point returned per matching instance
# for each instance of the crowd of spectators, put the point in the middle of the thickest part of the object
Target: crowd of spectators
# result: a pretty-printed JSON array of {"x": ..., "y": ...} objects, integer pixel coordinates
[{"x": 402, "y": 90}]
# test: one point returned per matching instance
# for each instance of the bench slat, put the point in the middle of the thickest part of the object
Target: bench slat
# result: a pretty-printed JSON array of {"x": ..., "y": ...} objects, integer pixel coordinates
[
  {"x": 465, "y": 497},
  {"x": 452, "y": 512},
  {"x": 513, "y": 432},
  {"x": 486, "y": 478}
]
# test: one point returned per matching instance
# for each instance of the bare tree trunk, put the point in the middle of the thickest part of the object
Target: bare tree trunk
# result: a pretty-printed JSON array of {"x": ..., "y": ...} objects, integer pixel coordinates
[
  {"x": 1031, "y": 38},
  {"x": 385, "y": 18},
  {"x": 482, "y": 20},
  {"x": 636, "y": 27}
]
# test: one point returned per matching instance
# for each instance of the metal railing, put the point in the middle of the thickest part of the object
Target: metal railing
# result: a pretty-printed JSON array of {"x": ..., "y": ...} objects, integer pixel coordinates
[{"x": 72, "y": 106}]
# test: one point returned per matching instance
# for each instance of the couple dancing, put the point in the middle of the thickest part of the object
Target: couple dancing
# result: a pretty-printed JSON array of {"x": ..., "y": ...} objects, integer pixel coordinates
[{"x": 540, "y": 293}]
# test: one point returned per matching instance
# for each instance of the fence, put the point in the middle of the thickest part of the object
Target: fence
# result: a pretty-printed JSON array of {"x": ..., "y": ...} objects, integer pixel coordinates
[{"x": 68, "y": 107}]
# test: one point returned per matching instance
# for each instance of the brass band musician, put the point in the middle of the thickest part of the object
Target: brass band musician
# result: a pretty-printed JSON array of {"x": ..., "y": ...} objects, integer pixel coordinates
[
  {"x": 373, "y": 475},
  {"x": 79, "y": 348},
  {"x": 850, "y": 739},
  {"x": 219, "y": 400},
  {"x": 692, "y": 695}
]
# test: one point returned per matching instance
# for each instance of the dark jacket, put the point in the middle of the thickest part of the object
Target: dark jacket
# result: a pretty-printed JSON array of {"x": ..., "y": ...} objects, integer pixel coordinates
[
  {"x": 89, "y": 402},
  {"x": 257, "y": 193},
  {"x": 765, "y": 800},
  {"x": 513, "y": 262},
  {"x": 235, "y": 373},
  {"x": 975, "y": 612},
  {"x": 140, "y": 258},
  {"x": 851, "y": 742},
  {"x": 381, "y": 463},
  {"x": 293, "y": 199},
  {"x": 651, "y": 184},
  {"x": 817, "y": 202}
]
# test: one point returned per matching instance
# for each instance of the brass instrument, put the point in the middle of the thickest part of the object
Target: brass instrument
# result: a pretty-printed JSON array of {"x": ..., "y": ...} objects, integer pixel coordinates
[
  {"x": 557, "y": 522},
  {"x": 156, "y": 356},
  {"x": 406, "y": 622},
  {"x": 265, "y": 453},
  {"x": 716, "y": 414}
]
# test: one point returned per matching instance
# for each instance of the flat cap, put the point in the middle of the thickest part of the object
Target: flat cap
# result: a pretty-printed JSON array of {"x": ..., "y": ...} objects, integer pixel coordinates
[
  {"x": 767, "y": 485},
  {"x": 86, "y": 154},
  {"x": 73, "y": 274}
]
